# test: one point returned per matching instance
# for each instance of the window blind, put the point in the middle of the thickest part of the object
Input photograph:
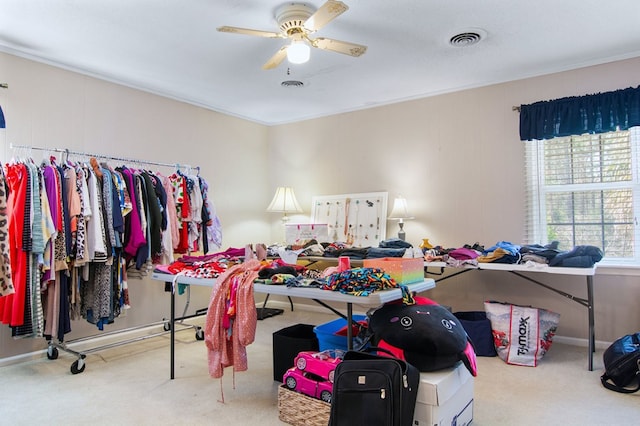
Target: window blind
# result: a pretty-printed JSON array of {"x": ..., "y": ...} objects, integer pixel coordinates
[{"x": 584, "y": 190}]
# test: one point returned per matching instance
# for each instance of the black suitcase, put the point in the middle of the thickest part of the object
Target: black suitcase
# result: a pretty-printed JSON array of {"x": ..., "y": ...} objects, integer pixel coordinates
[{"x": 372, "y": 390}]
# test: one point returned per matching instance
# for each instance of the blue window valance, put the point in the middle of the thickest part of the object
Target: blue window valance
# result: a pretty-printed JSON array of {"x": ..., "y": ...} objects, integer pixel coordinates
[{"x": 576, "y": 115}]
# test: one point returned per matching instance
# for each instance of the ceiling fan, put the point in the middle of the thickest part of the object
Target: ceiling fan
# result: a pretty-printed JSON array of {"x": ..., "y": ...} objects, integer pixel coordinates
[{"x": 297, "y": 21}]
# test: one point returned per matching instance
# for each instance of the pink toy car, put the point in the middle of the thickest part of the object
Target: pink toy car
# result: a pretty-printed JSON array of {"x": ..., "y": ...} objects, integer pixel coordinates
[
  {"x": 313, "y": 373},
  {"x": 308, "y": 384},
  {"x": 321, "y": 364}
]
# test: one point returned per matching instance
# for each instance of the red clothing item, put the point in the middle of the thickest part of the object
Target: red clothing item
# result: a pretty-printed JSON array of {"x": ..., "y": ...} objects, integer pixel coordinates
[
  {"x": 183, "y": 244},
  {"x": 186, "y": 202},
  {"x": 13, "y": 309}
]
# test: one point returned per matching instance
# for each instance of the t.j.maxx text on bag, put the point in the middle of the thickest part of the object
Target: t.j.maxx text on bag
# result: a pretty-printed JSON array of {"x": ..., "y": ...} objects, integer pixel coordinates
[{"x": 521, "y": 334}]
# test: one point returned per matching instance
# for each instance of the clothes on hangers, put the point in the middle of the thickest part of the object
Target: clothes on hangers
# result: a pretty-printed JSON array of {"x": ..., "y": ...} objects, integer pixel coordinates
[
  {"x": 6, "y": 283},
  {"x": 199, "y": 226},
  {"x": 76, "y": 232}
]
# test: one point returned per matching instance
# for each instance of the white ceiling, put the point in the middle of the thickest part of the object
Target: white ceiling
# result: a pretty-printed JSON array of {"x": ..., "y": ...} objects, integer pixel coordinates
[{"x": 172, "y": 48}]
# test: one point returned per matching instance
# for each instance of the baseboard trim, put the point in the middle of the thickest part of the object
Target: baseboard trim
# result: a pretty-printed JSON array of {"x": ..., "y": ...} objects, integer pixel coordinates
[
  {"x": 574, "y": 341},
  {"x": 566, "y": 340},
  {"x": 35, "y": 355},
  {"x": 18, "y": 359},
  {"x": 97, "y": 342}
]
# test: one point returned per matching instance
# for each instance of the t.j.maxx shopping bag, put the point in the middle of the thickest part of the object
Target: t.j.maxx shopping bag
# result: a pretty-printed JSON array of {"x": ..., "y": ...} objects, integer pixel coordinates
[{"x": 521, "y": 334}]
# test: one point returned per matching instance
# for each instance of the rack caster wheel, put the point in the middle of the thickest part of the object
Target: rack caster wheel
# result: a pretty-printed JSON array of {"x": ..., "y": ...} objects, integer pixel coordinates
[
  {"x": 78, "y": 366},
  {"x": 167, "y": 326},
  {"x": 52, "y": 352},
  {"x": 199, "y": 334}
]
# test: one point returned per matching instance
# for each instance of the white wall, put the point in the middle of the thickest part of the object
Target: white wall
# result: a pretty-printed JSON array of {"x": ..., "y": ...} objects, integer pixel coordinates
[
  {"x": 49, "y": 107},
  {"x": 455, "y": 157},
  {"x": 458, "y": 160}
]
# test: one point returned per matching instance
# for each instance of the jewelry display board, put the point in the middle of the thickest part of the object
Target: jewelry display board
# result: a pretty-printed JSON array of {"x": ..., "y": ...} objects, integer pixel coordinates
[{"x": 359, "y": 220}]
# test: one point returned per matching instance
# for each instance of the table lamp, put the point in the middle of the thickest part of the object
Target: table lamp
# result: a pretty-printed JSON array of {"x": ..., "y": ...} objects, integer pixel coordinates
[
  {"x": 284, "y": 201},
  {"x": 400, "y": 212}
]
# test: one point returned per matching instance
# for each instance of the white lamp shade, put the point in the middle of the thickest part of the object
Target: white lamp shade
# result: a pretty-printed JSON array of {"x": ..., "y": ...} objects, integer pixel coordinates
[
  {"x": 298, "y": 52},
  {"x": 400, "y": 209},
  {"x": 284, "y": 201}
]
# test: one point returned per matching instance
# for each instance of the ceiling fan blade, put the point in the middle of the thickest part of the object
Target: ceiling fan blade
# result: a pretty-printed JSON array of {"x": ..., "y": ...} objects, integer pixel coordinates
[
  {"x": 344, "y": 47},
  {"x": 246, "y": 31},
  {"x": 276, "y": 59},
  {"x": 325, "y": 14}
]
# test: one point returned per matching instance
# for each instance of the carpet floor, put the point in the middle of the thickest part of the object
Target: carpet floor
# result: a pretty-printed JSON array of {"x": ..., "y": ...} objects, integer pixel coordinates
[{"x": 130, "y": 385}]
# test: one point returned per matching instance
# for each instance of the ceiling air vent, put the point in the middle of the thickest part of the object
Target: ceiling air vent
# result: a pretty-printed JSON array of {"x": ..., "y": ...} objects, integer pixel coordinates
[
  {"x": 467, "y": 38},
  {"x": 292, "y": 83}
]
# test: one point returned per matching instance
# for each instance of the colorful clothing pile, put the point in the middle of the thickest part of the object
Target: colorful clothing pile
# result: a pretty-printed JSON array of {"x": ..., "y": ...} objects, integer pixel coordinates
[
  {"x": 359, "y": 281},
  {"x": 581, "y": 256}
]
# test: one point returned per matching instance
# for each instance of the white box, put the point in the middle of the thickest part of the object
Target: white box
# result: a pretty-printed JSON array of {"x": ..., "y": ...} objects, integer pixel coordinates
[
  {"x": 298, "y": 233},
  {"x": 445, "y": 397}
]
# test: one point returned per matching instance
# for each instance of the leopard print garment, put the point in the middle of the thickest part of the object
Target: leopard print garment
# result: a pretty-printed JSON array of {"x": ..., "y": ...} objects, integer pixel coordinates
[
  {"x": 6, "y": 283},
  {"x": 81, "y": 223}
]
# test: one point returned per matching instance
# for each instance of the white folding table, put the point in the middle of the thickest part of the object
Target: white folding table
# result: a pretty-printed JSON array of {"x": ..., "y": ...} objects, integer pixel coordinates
[
  {"x": 539, "y": 270},
  {"x": 320, "y": 296}
]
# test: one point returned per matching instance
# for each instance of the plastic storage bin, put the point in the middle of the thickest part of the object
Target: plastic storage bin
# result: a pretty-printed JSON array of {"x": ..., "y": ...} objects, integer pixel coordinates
[
  {"x": 327, "y": 333},
  {"x": 403, "y": 270}
]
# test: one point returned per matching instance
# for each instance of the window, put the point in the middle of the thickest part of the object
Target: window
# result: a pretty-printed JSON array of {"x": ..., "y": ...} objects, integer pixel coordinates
[{"x": 585, "y": 190}]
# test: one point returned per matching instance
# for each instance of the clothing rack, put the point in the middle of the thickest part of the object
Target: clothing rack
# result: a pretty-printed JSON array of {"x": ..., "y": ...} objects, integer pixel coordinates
[
  {"x": 68, "y": 152},
  {"x": 169, "y": 326},
  {"x": 79, "y": 364}
]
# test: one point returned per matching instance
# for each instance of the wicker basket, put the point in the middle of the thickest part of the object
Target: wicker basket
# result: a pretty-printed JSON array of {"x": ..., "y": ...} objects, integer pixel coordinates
[{"x": 301, "y": 410}]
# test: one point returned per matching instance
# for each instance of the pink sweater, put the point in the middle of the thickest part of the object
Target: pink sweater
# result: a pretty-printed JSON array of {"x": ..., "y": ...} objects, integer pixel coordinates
[{"x": 227, "y": 332}]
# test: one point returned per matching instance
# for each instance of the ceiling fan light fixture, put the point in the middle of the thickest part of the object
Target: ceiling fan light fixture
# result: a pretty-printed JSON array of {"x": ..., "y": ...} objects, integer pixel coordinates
[
  {"x": 297, "y": 21},
  {"x": 298, "y": 52}
]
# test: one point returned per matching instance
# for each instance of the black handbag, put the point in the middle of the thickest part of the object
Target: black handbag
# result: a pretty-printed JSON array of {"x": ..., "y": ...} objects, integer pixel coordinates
[
  {"x": 622, "y": 365},
  {"x": 370, "y": 389}
]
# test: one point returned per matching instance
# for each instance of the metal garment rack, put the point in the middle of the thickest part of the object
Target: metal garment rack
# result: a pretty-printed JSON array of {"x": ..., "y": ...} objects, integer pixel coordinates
[
  {"x": 68, "y": 152},
  {"x": 79, "y": 364},
  {"x": 169, "y": 326}
]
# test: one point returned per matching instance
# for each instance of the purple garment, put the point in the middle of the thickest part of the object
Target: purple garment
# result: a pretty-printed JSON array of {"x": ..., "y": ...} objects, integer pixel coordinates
[
  {"x": 463, "y": 253},
  {"x": 230, "y": 252},
  {"x": 51, "y": 187},
  {"x": 136, "y": 233}
]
